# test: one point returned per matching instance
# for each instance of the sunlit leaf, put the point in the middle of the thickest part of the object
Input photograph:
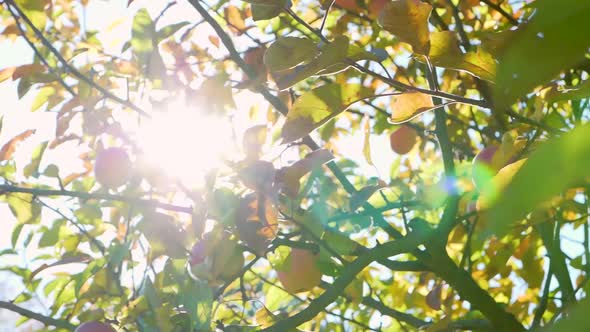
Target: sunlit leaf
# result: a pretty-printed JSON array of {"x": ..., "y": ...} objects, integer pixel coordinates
[
  {"x": 288, "y": 52},
  {"x": 550, "y": 42},
  {"x": 35, "y": 11},
  {"x": 253, "y": 140},
  {"x": 318, "y": 106},
  {"x": 25, "y": 210},
  {"x": 33, "y": 167},
  {"x": 10, "y": 146},
  {"x": 408, "y": 20},
  {"x": 267, "y": 9},
  {"x": 6, "y": 73},
  {"x": 570, "y": 154},
  {"x": 331, "y": 59},
  {"x": 233, "y": 16},
  {"x": 407, "y": 105},
  {"x": 42, "y": 97},
  {"x": 445, "y": 52},
  {"x": 341, "y": 243},
  {"x": 367, "y": 141}
]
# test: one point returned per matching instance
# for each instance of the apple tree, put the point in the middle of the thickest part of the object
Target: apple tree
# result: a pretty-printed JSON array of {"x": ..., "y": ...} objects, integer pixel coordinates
[{"x": 403, "y": 165}]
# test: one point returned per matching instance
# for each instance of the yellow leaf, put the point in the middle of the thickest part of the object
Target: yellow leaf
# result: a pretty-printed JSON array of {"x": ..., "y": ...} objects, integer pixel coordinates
[
  {"x": 407, "y": 105},
  {"x": 6, "y": 73},
  {"x": 408, "y": 21}
]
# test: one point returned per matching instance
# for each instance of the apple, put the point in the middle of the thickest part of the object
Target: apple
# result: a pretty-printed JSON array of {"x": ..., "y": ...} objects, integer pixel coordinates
[
  {"x": 300, "y": 272},
  {"x": 94, "y": 327},
  {"x": 112, "y": 167},
  {"x": 255, "y": 58},
  {"x": 403, "y": 139},
  {"x": 376, "y": 6}
]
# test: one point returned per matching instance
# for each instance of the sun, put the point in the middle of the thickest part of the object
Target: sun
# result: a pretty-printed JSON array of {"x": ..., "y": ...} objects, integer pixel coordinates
[{"x": 185, "y": 142}]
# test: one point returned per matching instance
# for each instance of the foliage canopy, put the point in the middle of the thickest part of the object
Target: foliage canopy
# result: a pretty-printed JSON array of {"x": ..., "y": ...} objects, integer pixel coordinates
[{"x": 292, "y": 231}]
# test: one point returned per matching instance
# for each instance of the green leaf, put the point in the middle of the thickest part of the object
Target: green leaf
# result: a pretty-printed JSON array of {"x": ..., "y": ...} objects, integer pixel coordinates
[
  {"x": 197, "y": 298},
  {"x": 330, "y": 60},
  {"x": 169, "y": 30},
  {"x": 445, "y": 52},
  {"x": 51, "y": 235},
  {"x": 288, "y": 52},
  {"x": 551, "y": 41},
  {"x": 275, "y": 298},
  {"x": 267, "y": 9},
  {"x": 42, "y": 97},
  {"x": 580, "y": 91},
  {"x": 577, "y": 319},
  {"x": 318, "y": 106},
  {"x": 33, "y": 167},
  {"x": 569, "y": 155},
  {"x": 408, "y": 21},
  {"x": 142, "y": 36},
  {"x": 341, "y": 243},
  {"x": 25, "y": 210},
  {"x": 16, "y": 234},
  {"x": 34, "y": 9}
]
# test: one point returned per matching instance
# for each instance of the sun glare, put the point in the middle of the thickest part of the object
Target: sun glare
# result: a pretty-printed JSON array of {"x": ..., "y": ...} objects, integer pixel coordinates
[{"x": 186, "y": 143}]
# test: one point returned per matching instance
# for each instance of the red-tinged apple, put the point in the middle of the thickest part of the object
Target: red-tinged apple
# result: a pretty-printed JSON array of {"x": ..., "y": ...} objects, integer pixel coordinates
[
  {"x": 255, "y": 58},
  {"x": 403, "y": 139},
  {"x": 376, "y": 6},
  {"x": 94, "y": 327},
  {"x": 112, "y": 167},
  {"x": 485, "y": 166},
  {"x": 300, "y": 272}
]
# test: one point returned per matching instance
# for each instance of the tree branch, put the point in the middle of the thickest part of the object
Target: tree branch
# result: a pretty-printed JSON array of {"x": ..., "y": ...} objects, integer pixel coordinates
[
  {"x": 70, "y": 68},
  {"x": 48, "y": 321},
  {"x": 385, "y": 310},
  {"x": 501, "y": 10},
  {"x": 5, "y": 188}
]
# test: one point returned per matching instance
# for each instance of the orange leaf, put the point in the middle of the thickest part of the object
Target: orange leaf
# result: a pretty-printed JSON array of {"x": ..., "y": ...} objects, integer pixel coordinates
[
  {"x": 234, "y": 17},
  {"x": 257, "y": 222},
  {"x": 214, "y": 40},
  {"x": 9, "y": 148}
]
